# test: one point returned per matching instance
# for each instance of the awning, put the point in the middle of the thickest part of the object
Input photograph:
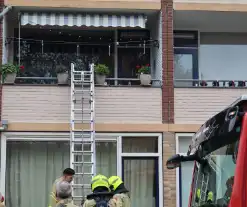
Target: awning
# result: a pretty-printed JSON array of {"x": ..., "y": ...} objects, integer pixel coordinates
[{"x": 89, "y": 20}]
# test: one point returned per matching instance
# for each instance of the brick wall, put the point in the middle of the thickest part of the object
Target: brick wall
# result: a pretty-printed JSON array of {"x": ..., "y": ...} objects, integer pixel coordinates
[
  {"x": 167, "y": 61},
  {"x": 169, "y": 176}
]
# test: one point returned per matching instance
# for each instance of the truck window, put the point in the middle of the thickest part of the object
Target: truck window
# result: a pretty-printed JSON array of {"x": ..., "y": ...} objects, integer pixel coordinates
[{"x": 214, "y": 180}]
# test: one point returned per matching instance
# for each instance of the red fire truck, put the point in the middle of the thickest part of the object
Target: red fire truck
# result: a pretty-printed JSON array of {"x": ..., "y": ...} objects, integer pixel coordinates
[{"x": 218, "y": 151}]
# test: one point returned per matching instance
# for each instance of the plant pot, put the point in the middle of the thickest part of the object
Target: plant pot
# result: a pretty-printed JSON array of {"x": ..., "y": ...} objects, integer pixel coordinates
[
  {"x": 10, "y": 78},
  {"x": 145, "y": 79},
  {"x": 100, "y": 79},
  {"x": 62, "y": 78}
]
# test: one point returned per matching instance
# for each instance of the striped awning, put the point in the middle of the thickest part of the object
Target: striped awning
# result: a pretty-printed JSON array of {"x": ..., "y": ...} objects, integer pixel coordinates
[{"x": 78, "y": 20}]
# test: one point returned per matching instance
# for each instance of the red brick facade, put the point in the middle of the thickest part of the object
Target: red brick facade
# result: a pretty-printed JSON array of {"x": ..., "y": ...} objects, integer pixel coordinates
[
  {"x": 167, "y": 61},
  {"x": 169, "y": 176}
]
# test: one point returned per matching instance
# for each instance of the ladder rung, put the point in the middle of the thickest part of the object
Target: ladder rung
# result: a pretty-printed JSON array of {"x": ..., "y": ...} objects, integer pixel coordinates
[
  {"x": 89, "y": 110},
  {"x": 81, "y": 90},
  {"x": 82, "y": 142},
  {"x": 81, "y": 81},
  {"x": 85, "y": 71},
  {"x": 85, "y": 120},
  {"x": 81, "y": 130},
  {"x": 83, "y": 173},
  {"x": 84, "y": 111},
  {"x": 82, "y": 152},
  {"x": 79, "y": 163}
]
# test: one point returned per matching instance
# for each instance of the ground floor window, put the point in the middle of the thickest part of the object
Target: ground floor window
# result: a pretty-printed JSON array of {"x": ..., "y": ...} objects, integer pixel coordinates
[
  {"x": 32, "y": 166},
  {"x": 141, "y": 177},
  {"x": 184, "y": 174}
]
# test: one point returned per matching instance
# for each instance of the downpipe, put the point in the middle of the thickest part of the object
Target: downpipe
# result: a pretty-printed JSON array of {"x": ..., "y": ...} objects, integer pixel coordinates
[{"x": 5, "y": 10}]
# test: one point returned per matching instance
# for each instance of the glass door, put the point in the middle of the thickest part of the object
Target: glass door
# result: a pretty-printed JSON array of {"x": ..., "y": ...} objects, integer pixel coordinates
[
  {"x": 141, "y": 178},
  {"x": 185, "y": 66}
]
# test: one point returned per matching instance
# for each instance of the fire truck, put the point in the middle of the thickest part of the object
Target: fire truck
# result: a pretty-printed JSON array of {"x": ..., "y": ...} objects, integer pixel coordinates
[{"x": 218, "y": 151}]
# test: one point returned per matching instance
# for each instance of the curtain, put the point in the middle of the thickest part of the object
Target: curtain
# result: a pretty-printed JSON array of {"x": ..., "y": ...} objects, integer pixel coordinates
[
  {"x": 141, "y": 174},
  {"x": 32, "y": 167},
  {"x": 139, "y": 177},
  {"x": 106, "y": 158}
]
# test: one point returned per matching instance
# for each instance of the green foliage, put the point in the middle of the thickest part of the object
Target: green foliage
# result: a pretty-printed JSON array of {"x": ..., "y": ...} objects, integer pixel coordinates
[
  {"x": 101, "y": 69},
  {"x": 144, "y": 69},
  {"x": 61, "y": 68},
  {"x": 10, "y": 68}
]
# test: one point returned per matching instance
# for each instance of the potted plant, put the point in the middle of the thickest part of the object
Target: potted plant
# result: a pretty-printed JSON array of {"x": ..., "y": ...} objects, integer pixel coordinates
[
  {"x": 101, "y": 71},
  {"x": 62, "y": 74},
  {"x": 144, "y": 74},
  {"x": 9, "y": 71}
]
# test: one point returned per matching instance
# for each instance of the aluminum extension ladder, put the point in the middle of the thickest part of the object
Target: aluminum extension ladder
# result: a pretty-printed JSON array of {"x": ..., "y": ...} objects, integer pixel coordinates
[{"x": 82, "y": 132}]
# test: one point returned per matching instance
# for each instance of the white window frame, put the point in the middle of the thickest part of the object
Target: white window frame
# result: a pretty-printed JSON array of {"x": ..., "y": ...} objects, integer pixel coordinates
[
  {"x": 177, "y": 170},
  {"x": 100, "y": 137}
]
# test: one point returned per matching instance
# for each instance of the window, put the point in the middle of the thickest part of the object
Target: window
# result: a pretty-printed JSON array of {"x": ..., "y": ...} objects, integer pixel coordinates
[
  {"x": 42, "y": 51},
  {"x": 141, "y": 178},
  {"x": 185, "y": 58},
  {"x": 133, "y": 50},
  {"x": 223, "y": 56},
  {"x": 140, "y": 170},
  {"x": 31, "y": 167},
  {"x": 140, "y": 144},
  {"x": 184, "y": 174}
]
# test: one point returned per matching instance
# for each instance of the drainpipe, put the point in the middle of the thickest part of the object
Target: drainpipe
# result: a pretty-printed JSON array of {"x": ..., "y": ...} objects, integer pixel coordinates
[{"x": 5, "y": 10}]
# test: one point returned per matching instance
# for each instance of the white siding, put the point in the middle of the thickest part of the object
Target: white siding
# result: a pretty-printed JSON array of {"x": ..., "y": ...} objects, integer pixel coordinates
[
  {"x": 213, "y": 1},
  {"x": 196, "y": 105},
  {"x": 51, "y": 104}
]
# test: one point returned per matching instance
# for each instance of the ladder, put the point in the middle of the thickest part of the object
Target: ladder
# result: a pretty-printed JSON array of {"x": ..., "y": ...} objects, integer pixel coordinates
[{"x": 82, "y": 132}]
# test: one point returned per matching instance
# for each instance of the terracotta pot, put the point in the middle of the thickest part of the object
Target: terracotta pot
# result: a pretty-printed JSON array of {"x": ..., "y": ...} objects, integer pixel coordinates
[
  {"x": 145, "y": 79},
  {"x": 62, "y": 78},
  {"x": 100, "y": 79},
  {"x": 10, "y": 78}
]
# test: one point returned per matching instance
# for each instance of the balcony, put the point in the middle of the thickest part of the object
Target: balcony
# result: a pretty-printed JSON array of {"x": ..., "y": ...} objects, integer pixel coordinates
[
  {"x": 110, "y": 4},
  {"x": 51, "y": 104},
  {"x": 41, "y": 47},
  {"x": 210, "y": 72}
]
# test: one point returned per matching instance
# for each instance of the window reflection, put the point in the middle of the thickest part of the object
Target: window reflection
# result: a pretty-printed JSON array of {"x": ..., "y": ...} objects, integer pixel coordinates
[
  {"x": 223, "y": 62},
  {"x": 183, "y": 68}
]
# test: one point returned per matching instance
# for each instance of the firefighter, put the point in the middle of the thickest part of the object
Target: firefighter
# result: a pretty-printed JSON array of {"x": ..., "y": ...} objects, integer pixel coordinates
[
  {"x": 229, "y": 186},
  {"x": 120, "y": 191},
  {"x": 60, "y": 186},
  {"x": 101, "y": 193},
  {"x": 209, "y": 198}
]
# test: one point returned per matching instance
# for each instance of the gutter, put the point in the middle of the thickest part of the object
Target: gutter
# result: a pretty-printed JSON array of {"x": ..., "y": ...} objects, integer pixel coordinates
[{"x": 5, "y": 10}]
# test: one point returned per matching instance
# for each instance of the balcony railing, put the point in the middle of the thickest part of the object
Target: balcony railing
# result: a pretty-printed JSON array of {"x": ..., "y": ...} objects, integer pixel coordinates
[
  {"x": 187, "y": 83},
  {"x": 109, "y": 81}
]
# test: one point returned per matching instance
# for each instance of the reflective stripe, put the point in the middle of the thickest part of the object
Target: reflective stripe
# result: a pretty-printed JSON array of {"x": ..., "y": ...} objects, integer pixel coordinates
[
  {"x": 93, "y": 181},
  {"x": 114, "y": 181}
]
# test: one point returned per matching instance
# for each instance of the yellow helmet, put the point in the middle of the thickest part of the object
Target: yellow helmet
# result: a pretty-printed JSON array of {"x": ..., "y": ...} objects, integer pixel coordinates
[
  {"x": 114, "y": 182},
  {"x": 99, "y": 181}
]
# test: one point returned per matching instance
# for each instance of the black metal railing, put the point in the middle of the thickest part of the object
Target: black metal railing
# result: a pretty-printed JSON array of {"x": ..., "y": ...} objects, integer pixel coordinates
[
  {"x": 185, "y": 83},
  {"x": 109, "y": 81}
]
